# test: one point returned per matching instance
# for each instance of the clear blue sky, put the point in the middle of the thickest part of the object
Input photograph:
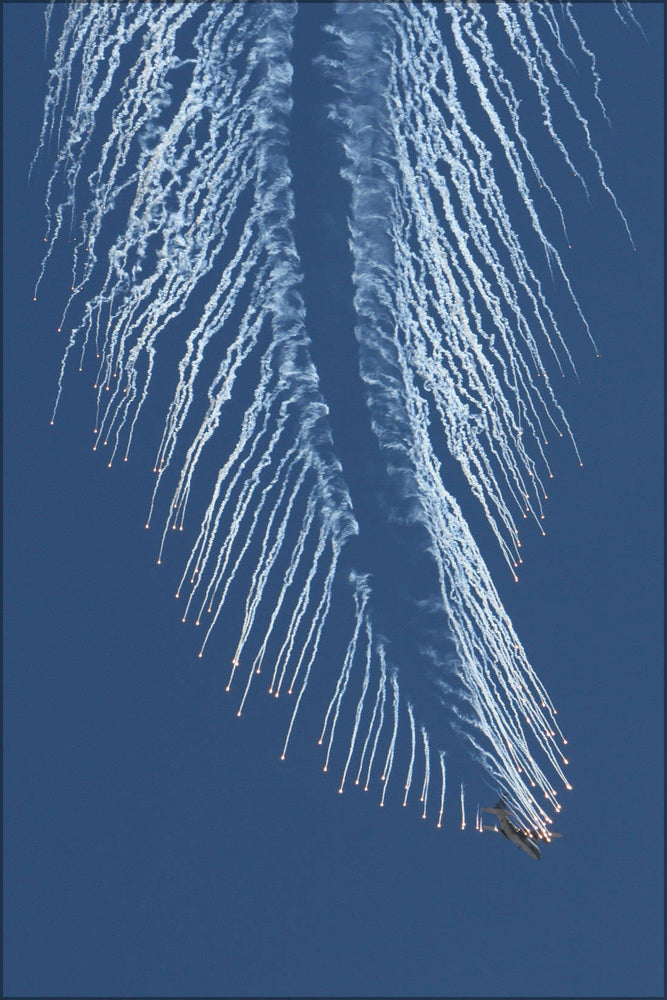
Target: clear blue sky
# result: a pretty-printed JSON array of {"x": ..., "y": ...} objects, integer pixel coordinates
[{"x": 153, "y": 843}]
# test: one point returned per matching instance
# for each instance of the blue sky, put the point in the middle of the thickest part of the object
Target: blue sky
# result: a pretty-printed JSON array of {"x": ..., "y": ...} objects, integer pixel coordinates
[{"x": 154, "y": 844}]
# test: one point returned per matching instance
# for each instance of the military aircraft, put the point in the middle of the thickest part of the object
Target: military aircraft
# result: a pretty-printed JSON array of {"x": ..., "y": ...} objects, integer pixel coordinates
[{"x": 513, "y": 833}]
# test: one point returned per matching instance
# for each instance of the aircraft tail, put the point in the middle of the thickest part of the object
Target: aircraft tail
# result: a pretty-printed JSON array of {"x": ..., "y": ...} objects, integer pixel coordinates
[{"x": 500, "y": 807}]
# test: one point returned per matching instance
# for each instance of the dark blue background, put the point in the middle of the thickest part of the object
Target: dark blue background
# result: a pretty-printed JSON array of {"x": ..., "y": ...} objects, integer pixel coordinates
[{"x": 154, "y": 844}]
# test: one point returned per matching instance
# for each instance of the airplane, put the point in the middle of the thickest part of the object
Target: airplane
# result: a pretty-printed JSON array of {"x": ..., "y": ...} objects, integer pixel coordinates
[{"x": 512, "y": 833}]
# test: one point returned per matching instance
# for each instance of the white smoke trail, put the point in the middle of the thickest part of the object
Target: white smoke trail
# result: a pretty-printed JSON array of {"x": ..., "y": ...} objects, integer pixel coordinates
[
  {"x": 427, "y": 771},
  {"x": 378, "y": 710},
  {"x": 408, "y": 780},
  {"x": 333, "y": 711},
  {"x": 448, "y": 307},
  {"x": 442, "y": 787},
  {"x": 202, "y": 173},
  {"x": 360, "y": 704},
  {"x": 169, "y": 130},
  {"x": 389, "y": 762}
]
